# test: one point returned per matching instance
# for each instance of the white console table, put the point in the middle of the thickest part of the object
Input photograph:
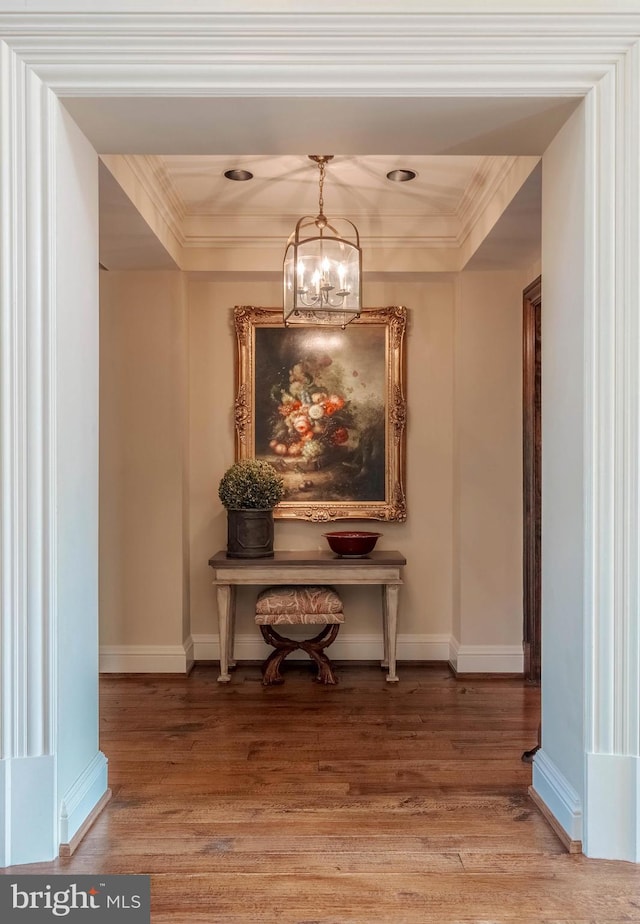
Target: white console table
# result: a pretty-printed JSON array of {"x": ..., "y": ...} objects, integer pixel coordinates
[{"x": 300, "y": 567}]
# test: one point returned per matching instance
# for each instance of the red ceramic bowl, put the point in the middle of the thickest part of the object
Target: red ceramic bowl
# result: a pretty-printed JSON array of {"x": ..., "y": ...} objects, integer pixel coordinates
[{"x": 350, "y": 543}]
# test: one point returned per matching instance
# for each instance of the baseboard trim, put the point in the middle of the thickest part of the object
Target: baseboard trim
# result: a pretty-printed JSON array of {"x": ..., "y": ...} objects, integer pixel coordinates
[
  {"x": 486, "y": 659},
  {"x": 179, "y": 659},
  {"x": 251, "y": 647},
  {"x": 560, "y": 798},
  {"x": 80, "y": 800},
  {"x": 67, "y": 850},
  {"x": 146, "y": 659},
  {"x": 570, "y": 845}
]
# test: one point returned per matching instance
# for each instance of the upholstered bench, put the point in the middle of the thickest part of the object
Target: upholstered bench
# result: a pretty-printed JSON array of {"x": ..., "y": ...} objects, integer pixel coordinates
[{"x": 296, "y": 606}]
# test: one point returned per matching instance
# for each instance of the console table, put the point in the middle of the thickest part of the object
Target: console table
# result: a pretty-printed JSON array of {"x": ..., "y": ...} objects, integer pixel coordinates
[{"x": 383, "y": 568}]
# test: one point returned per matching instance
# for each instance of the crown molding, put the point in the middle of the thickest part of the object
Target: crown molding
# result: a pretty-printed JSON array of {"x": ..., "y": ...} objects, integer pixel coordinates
[
  {"x": 305, "y": 7},
  {"x": 244, "y": 230},
  {"x": 139, "y": 179},
  {"x": 162, "y": 207},
  {"x": 491, "y": 204},
  {"x": 230, "y": 53},
  {"x": 481, "y": 189},
  {"x": 153, "y": 175}
]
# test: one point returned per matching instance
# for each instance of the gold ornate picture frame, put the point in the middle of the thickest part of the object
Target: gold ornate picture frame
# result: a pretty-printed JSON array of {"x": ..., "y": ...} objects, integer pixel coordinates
[{"x": 326, "y": 407}]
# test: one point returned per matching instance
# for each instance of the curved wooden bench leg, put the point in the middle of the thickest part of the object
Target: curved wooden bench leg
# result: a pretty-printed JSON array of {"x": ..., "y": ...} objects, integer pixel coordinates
[
  {"x": 283, "y": 647},
  {"x": 314, "y": 648}
]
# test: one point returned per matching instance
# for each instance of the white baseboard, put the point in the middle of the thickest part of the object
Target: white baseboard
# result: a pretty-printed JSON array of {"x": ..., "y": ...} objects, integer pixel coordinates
[
  {"x": 486, "y": 659},
  {"x": 80, "y": 800},
  {"x": 251, "y": 647},
  {"x": 178, "y": 659},
  {"x": 560, "y": 798},
  {"x": 146, "y": 659},
  {"x": 423, "y": 647}
]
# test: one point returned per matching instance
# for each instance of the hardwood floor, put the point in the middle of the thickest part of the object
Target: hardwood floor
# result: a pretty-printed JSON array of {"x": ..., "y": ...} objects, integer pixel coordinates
[{"x": 366, "y": 802}]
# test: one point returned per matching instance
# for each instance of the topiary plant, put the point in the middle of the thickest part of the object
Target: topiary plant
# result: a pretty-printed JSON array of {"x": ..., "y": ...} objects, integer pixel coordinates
[{"x": 251, "y": 485}]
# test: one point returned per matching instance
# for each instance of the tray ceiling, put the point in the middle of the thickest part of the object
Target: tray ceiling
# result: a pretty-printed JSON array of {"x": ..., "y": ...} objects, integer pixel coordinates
[{"x": 188, "y": 214}]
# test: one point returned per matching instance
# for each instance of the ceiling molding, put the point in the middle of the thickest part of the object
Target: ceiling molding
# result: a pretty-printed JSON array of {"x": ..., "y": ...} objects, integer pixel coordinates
[
  {"x": 152, "y": 184},
  {"x": 481, "y": 188},
  {"x": 138, "y": 180},
  {"x": 379, "y": 231},
  {"x": 131, "y": 54},
  {"x": 278, "y": 243},
  {"x": 491, "y": 195},
  {"x": 483, "y": 220},
  {"x": 153, "y": 175},
  {"x": 516, "y": 8}
]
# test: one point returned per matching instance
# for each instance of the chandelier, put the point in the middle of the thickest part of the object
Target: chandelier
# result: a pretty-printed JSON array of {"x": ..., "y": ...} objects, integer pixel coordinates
[{"x": 322, "y": 270}]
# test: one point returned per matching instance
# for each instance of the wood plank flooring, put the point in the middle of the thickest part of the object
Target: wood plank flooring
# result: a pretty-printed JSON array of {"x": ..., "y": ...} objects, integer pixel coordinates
[{"x": 365, "y": 803}]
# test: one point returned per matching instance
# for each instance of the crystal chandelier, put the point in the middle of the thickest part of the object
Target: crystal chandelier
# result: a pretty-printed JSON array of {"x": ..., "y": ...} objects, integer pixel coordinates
[{"x": 322, "y": 271}]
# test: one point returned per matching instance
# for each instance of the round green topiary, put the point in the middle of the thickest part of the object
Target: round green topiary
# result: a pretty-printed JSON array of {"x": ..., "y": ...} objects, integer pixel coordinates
[{"x": 251, "y": 485}]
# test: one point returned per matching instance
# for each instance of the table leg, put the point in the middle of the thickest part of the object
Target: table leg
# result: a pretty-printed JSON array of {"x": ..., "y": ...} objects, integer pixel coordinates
[
  {"x": 223, "y": 593},
  {"x": 232, "y": 627},
  {"x": 391, "y": 599},
  {"x": 385, "y": 629}
]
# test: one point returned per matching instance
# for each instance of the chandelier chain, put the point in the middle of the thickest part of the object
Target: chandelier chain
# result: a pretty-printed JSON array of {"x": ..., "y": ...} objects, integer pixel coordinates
[{"x": 320, "y": 196}]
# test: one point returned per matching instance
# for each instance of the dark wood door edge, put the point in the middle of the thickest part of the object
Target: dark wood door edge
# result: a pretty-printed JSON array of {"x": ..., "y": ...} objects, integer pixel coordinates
[{"x": 532, "y": 476}]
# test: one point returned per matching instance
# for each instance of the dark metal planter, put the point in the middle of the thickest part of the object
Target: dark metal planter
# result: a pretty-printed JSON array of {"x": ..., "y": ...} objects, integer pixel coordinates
[{"x": 250, "y": 533}]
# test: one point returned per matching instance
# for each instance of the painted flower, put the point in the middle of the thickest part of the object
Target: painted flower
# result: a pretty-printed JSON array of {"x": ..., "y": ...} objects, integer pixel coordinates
[
  {"x": 301, "y": 424},
  {"x": 288, "y": 405},
  {"x": 306, "y": 426}
]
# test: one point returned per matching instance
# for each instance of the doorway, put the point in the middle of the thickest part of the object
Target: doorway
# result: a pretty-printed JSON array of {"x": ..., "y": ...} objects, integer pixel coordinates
[{"x": 606, "y": 133}]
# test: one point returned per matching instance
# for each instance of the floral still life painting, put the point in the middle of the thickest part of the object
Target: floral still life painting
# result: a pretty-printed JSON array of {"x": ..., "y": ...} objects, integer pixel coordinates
[{"x": 325, "y": 408}]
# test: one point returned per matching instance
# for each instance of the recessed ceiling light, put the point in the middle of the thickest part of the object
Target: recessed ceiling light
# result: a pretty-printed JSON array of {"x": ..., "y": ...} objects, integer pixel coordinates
[
  {"x": 239, "y": 175},
  {"x": 401, "y": 176}
]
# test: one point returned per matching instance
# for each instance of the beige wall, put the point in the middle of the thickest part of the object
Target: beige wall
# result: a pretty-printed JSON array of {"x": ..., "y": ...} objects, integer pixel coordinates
[
  {"x": 143, "y": 378},
  {"x": 488, "y": 459},
  {"x": 425, "y": 538},
  {"x": 162, "y": 457}
]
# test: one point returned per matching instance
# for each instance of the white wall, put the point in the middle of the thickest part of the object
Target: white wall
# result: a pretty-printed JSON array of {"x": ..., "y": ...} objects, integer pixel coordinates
[
  {"x": 51, "y": 772},
  {"x": 559, "y": 768},
  {"x": 81, "y": 769}
]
